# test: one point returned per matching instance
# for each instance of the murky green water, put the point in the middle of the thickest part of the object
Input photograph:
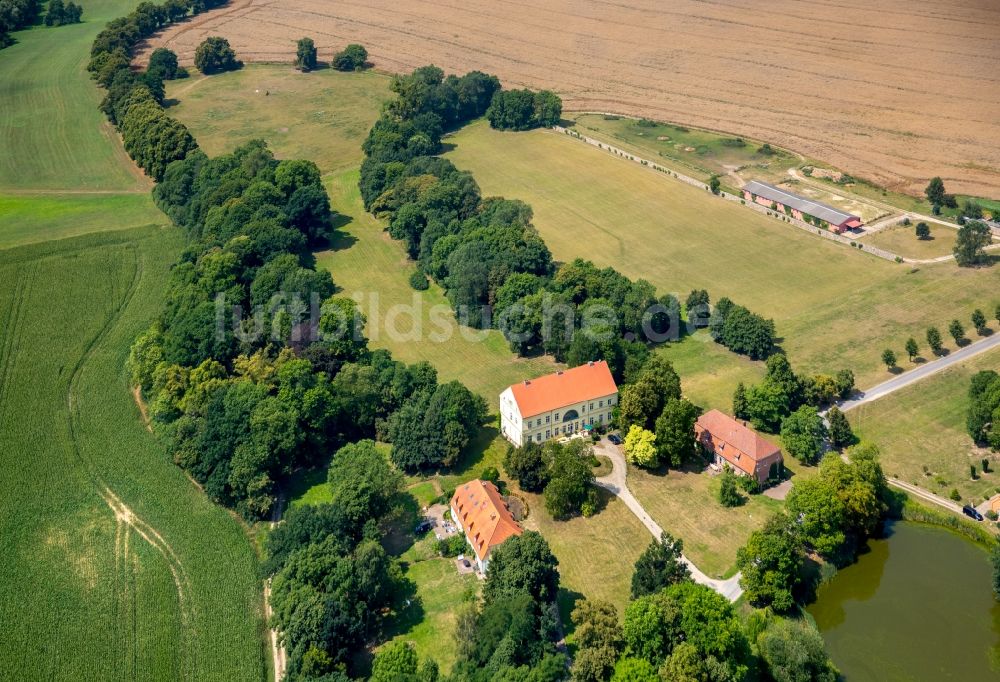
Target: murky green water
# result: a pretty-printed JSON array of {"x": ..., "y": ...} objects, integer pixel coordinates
[{"x": 919, "y": 606}]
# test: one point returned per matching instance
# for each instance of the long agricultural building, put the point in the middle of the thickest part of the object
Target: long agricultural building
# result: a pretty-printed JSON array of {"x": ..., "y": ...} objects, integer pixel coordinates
[{"x": 800, "y": 208}]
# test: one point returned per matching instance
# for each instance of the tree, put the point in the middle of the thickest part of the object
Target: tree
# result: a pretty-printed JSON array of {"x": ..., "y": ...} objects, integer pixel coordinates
[
  {"x": 522, "y": 563},
  {"x": 523, "y": 109},
  {"x": 395, "y": 661},
  {"x": 305, "y": 54},
  {"x": 570, "y": 480},
  {"x": 675, "y": 441},
  {"x": 935, "y": 192},
  {"x": 214, "y": 55},
  {"x": 957, "y": 332},
  {"x": 163, "y": 63},
  {"x": 598, "y": 638},
  {"x": 362, "y": 482},
  {"x": 354, "y": 57},
  {"x": 934, "y": 340},
  {"x": 911, "y": 348},
  {"x": 528, "y": 466},
  {"x": 802, "y": 433},
  {"x": 770, "y": 564},
  {"x": 971, "y": 243},
  {"x": 741, "y": 409},
  {"x": 794, "y": 652},
  {"x": 634, "y": 670},
  {"x": 889, "y": 358},
  {"x": 640, "y": 447},
  {"x": 820, "y": 514},
  {"x": 840, "y": 429},
  {"x": 923, "y": 230},
  {"x": 729, "y": 490},
  {"x": 659, "y": 566},
  {"x": 972, "y": 209},
  {"x": 714, "y": 184},
  {"x": 979, "y": 322}
]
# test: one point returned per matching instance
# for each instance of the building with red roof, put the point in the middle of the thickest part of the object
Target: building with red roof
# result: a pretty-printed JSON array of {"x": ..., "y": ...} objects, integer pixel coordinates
[
  {"x": 485, "y": 518},
  {"x": 558, "y": 404},
  {"x": 730, "y": 441}
]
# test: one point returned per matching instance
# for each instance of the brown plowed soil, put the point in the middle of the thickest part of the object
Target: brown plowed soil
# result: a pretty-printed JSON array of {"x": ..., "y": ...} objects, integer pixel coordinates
[{"x": 893, "y": 90}]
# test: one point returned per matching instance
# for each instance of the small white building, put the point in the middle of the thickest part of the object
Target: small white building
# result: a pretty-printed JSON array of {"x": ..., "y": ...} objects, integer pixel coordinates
[{"x": 558, "y": 404}]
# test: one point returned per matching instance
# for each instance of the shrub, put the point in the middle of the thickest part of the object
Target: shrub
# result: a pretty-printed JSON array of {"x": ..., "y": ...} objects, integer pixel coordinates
[
  {"x": 418, "y": 280},
  {"x": 451, "y": 546},
  {"x": 729, "y": 493},
  {"x": 354, "y": 57},
  {"x": 955, "y": 495},
  {"x": 305, "y": 54}
]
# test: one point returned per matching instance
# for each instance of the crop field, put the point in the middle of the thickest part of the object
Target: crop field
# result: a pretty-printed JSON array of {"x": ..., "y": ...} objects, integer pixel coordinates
[
  {"x": 896, "y": 92},
  {"x": 322, "y": 116},
  {"x": 920, "y": 431},
  {"x": 115, "y": 567},
  {"x": 30, "y": 218},
  {"x": 832, "y": 304}
]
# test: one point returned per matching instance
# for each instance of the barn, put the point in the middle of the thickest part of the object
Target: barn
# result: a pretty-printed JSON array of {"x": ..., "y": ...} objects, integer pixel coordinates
[{"x": 800, "y": 208}]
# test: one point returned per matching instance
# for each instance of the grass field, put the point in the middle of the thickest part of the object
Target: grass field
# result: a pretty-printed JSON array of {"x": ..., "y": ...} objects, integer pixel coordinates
[
  {"x": 700, "y": 153},
  {"x": 709, "y": 373},
  {"x": 834, "y": 307},
  {"x": 924, "y": 426},
  {"x": 322, "y": 116},
  {"x": 115, "y": 567},
  {"x": 55, "y": 137},
  {"x": 686, "y": 505},
  {"x": 368, "y": 265},
  {"x": 902, "y": 240}
]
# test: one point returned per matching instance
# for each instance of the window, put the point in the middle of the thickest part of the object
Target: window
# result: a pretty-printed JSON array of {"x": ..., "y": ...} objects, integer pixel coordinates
[
  {"x": 591, "y": 407},
  {"x": 539, "y": 422},
  {"x": 591, "y": 420},
  {"x": 556, "y": 416},
  {"x": 600, "y": 403},
  {"x": 538, "y": 437},
  {"x": 609, "y": 416},
  {"x": 600, "y": 419},
  {"x": 548, "y": 434}
]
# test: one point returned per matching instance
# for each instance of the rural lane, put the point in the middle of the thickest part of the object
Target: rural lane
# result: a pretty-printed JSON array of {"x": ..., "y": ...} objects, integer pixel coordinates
[
  {"x": 922, "y": 372},
  {"x": 616, "y": 484}
]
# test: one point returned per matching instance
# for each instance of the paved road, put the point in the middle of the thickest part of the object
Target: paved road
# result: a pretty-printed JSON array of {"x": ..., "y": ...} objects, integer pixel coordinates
[
  {"x": 923, "y": 371},
  {"x": 616, "y": 484}
]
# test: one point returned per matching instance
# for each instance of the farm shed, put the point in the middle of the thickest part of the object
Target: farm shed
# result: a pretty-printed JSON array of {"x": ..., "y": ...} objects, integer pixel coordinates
[{"x": 800, "y": 207}]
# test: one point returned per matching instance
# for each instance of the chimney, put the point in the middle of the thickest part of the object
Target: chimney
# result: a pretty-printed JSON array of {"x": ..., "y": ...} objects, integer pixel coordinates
[
  {"x": 527, "y": 382},
  {"x": 559, "y": 373},
  {"x": 591, "y": 363}
]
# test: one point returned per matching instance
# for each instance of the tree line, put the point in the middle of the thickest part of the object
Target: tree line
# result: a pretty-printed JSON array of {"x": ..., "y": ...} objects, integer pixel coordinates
[{"x": 983, "y": 415}]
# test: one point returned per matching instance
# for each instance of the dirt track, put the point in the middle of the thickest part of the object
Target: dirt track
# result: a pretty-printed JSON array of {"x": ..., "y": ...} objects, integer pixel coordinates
[{"x": 893, "y": 90}]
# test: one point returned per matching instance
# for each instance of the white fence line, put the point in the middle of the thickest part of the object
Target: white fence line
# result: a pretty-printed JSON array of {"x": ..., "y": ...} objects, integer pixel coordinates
[{"x": 801, "y": 224}]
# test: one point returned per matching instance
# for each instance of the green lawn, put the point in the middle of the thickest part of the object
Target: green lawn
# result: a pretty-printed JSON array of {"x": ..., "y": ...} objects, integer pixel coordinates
[
  {"x": 924, "y": 426},
  {"x": 834, "y": 307},
  {"x": 709, "y": 373},
  {"x": 322, "y": 116},
  {"x": 903, "y": 240},
  {"x": 369, "y": 266},
  {"x": 115, "y": 565},
  {"x": 686, "y": 504}
]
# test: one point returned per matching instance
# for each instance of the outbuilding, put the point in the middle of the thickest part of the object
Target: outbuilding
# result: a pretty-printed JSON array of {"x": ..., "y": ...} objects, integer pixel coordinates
[{"x": 800, "y": 208}]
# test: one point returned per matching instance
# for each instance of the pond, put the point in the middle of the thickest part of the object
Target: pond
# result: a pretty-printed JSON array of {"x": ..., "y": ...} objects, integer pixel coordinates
[{"x": 918, "y": 606}]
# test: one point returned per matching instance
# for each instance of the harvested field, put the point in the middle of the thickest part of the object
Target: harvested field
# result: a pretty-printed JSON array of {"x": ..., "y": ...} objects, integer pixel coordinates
[{"x": 895, "y": 90}]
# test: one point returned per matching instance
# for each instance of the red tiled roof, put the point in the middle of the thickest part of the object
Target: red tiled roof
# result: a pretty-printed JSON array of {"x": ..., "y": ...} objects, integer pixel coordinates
[
  {"x": 736, "y": 442},
  {"x": 484, "y": 516},
  {"x": 556, "y": 390}
]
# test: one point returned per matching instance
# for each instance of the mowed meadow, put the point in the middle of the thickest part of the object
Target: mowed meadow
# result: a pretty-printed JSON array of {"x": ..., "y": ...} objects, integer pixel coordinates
[
  {"x": 834, "y": 306},
  {"x": 115, "y": 565}
]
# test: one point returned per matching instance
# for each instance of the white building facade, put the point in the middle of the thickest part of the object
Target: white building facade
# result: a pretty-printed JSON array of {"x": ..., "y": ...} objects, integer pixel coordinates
[{"x": 558, "y": 404}]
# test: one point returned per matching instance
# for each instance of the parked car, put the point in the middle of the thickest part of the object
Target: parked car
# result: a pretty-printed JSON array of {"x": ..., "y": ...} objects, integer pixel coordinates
[
  {"x": 424, "y": 526},
  {"x": 615, "y": 439},
  {"x": 971, "y": 512}
]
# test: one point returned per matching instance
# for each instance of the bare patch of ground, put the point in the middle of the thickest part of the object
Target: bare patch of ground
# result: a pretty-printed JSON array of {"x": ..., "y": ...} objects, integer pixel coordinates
[{"x": 895, "y": 91}]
